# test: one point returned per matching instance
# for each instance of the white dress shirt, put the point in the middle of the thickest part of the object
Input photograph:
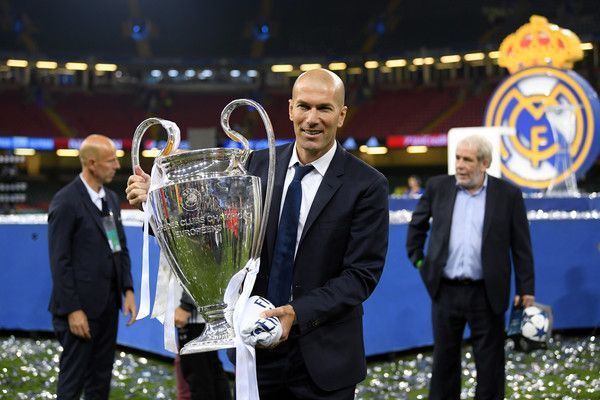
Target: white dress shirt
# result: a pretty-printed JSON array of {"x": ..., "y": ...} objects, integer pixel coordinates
[
  {"x": 310, "y": 184},
  {"x": 95, "y": 196}
]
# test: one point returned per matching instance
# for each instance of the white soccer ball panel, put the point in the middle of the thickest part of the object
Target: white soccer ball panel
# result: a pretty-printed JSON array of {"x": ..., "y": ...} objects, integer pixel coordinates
[
  {"x": 535, "y": 324},
  {"x": 532, "y": 310}
]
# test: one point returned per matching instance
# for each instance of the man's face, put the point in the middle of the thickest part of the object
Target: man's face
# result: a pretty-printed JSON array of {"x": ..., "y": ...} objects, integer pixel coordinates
[
  {"x": 412, "y": 183},
  {"x": 317, "y": 113},
  {"x": 105, "y": 165},
  {"x": 470, "y": 172}
]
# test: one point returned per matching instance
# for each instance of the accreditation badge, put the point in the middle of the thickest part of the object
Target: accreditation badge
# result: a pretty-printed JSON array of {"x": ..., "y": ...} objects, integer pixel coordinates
[{"x": 110, "y": 228}]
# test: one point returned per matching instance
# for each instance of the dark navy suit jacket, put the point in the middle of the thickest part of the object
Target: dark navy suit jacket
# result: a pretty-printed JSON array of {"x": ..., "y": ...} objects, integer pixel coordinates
[
  {"x": 338, "y": 263},
  {"x": 505, "y": 236},
  {"x": 82, "y": 263}
]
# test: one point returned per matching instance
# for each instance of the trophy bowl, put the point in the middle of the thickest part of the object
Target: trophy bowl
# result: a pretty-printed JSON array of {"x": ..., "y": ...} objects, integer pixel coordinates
[{"x": 205, "y": 211}]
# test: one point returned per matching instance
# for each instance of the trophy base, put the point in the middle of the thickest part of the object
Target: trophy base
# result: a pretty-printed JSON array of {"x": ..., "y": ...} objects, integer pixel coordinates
[{"x": 217, "y": 335}]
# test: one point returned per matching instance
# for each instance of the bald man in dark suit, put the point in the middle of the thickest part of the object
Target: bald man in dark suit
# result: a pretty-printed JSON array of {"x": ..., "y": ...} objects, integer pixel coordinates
[
  {"x": 90, "y": 273},
  {"x": 321, "y": 260}
]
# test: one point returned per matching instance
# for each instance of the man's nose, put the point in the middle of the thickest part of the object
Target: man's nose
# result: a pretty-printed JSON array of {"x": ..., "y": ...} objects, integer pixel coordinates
[{"x": 313, "y": 116}]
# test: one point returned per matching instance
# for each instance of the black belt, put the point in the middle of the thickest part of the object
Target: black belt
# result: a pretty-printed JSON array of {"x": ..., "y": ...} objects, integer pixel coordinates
[{"x": 462, "y": 281}]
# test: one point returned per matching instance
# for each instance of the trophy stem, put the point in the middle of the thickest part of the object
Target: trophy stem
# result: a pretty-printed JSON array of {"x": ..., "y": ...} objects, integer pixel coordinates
[{"x": 217, "y": 335}]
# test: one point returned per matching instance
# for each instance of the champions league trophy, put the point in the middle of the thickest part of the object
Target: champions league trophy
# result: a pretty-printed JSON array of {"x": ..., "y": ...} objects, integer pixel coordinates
[
  {"x": 205, "y": 211},
  {"x": 563, "y": 123}
]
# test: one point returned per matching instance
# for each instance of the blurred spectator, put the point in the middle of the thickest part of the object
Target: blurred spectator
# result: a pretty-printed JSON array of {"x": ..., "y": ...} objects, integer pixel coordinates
[{"x": 414, "y": 187}]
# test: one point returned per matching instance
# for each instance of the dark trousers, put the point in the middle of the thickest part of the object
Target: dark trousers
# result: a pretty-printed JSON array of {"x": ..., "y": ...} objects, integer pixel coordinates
[
  {"x": 282, "y": 374},
  {"x": 203, "y": 372},
  {"x": 455, "y": 306},
  {"x": 86, "y": 365}
]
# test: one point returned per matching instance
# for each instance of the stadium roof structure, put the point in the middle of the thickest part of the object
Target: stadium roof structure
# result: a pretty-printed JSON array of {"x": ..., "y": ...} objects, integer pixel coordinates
[{"x": 270, "y": 29}]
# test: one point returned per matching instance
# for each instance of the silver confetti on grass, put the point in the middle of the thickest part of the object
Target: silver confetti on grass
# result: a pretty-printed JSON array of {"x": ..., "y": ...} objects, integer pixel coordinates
[
  {"x": 29, "y": 369},
  {"x": 568, "y": 369}
]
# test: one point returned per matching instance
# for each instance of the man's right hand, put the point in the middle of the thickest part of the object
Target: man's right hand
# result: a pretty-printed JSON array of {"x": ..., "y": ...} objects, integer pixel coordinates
[
  {"x": 78, "y": 324},
  {"x": 137, "y": 187},
  {"x": 181, "y": 317}
]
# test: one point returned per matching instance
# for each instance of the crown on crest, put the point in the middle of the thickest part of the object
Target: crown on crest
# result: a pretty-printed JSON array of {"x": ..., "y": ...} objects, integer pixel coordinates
[{"x": 539, "y": 43}]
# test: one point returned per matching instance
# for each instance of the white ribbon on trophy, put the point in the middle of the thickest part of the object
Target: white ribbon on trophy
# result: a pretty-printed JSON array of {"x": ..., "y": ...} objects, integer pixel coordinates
[{"x": 164, "y": 301}]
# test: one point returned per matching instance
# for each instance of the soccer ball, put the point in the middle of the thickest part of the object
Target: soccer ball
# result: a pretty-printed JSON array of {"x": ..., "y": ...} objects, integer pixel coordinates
[{"x": 535, "y": 324}]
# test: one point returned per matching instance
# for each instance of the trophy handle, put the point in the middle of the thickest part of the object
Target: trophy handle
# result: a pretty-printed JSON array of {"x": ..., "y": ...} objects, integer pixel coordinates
[
  {"x": 173, "y": 138},
  {"x": 238, "y": 137}
]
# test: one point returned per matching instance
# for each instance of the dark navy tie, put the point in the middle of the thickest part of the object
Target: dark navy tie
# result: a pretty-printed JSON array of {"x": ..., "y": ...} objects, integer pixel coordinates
[
  {"x": 105, "y": 210},
  {"x": 282, "y": 268}
]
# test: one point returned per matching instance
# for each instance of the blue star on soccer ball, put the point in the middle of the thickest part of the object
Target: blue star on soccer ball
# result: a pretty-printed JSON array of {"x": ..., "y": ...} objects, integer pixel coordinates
[{"x": 540, "y": 332}]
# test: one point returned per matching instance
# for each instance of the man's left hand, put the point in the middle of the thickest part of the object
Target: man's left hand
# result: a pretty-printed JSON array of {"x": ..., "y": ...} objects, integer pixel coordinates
[
  {"x": 526, "y": 300},
  {"x": 286, "y": 315},
  {"x": 129, "y": 306}
]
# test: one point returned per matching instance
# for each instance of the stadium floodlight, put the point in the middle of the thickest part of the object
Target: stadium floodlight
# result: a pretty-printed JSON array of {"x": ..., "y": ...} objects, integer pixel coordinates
[
  {"x": 418, "y": 61},
  {"x": 235, "y": 73},
  {"x": 371, "y": 64},
  {"x": 373, "y": 150},
  {"x": 205, "y": 73},
  {"x": 395, "y": 63},
  {"x": 308, "y": 67},
  {"x": 155, "y": 73},
  {"x": 428, "y": 60},
  {"x": 493, "y": 54},
  {"x": 377, "y": 150},
  {"x": 474, "y": 56},
  {"x": 190, "y": 73},
  {"x": 586, "y": 46},
  {"x": 46, "y": 64},
  {"x": 76, "y": 66},
  {"x": 120, "y": 153},
  {"x": 453, "y": 58},
  {"x": 24, "y": 152},
  {"x": 173, "y": 73},
  {"x": 416, "y": 149},
  {"x": 150, "y": 153},
  {"x": 337, "y": 66},
  {"x": 282, "y": 68},
  {"x": 354, "y": 71},
  {"x": 252, "y": 73},
  {"x": 16, "y": 63},
  {"x": 105, "y": 67},
  {"x": 67, "y": 152}
]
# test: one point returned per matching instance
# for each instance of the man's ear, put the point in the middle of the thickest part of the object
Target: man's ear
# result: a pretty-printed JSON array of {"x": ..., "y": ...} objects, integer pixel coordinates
[
  {"x": 342, "y": 116},
  {"x": 290, "y": 106}
]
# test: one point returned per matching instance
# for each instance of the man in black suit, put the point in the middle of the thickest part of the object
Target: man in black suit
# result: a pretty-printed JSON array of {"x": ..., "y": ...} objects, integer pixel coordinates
[
  {"x": 338, "y": 246},
  {"x": 90, "y": 272},
  {"x": 203, "y": 372},
  {"x": 479, "y": 223}
]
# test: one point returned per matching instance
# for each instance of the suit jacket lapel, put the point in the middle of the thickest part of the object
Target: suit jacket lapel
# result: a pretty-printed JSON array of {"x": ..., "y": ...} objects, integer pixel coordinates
[
  {"x": 89, "y": 205},
  {"x": 452, "y": 189},
  {"x": 282, "y": 161},
  {"x": 330, "y": 184},
  {"x": 491, "y": 195}
]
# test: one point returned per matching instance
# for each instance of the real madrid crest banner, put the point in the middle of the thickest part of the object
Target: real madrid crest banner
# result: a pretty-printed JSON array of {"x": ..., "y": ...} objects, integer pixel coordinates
[{"x": 550, "y": 106}]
